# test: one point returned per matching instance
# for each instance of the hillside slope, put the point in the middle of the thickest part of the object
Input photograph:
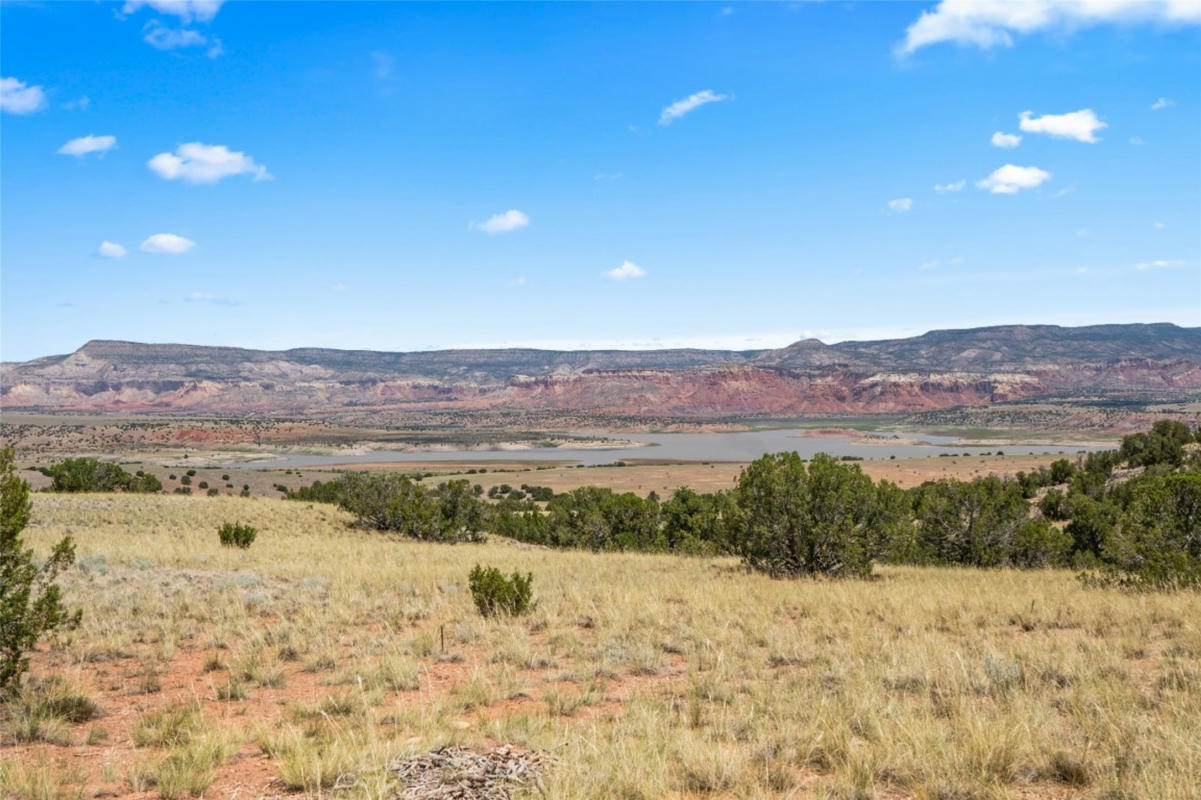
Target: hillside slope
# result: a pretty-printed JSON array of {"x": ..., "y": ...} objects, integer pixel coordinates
[{"x": 937, "y": 370}]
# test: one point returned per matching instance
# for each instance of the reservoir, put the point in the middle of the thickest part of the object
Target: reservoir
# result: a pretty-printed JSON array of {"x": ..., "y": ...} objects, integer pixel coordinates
[{"x": 735, "y": 446}]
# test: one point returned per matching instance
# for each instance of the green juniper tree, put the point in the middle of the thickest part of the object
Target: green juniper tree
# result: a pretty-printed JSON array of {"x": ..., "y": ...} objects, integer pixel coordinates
[{"x": 30, "y": 603}]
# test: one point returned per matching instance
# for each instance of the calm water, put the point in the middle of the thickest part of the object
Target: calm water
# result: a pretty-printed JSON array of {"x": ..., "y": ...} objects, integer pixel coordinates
[{"x": 741, "y": 446}]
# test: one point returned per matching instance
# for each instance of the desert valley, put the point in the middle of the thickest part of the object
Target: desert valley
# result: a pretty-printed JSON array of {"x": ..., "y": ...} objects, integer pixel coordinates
[{"x": 606, "y": 401}]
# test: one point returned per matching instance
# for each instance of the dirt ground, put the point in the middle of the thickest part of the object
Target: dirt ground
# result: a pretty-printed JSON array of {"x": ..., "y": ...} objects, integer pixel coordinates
[
  {"x": 640, "y": 477},
  {"x": 664, "y": 479}
]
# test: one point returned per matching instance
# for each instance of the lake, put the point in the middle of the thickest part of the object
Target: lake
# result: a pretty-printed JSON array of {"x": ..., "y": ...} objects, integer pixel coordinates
[{"x": 737, "y": 446}]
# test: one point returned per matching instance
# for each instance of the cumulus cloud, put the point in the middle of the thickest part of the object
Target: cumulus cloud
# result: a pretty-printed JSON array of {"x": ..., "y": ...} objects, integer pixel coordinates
[
  {"x": 186, "y": 10},
  {"x": 690, "y": 103},
  {"x": 505, "y": 222},
  {"x": 205, "y": 163},
  {"x": 88, "y": 144},
  {"x": 1162, "y": 103},
  {"x": 954, "y": 186},
  {"x": 1006, "y": 140},
  {"x": 111, "y": 250},
  {"x": 1080, "y": 125},
  {"x": 901, "y": 205},
  {"x": 1010, "y": 179},
  {"x": 627, "y": 270},
  {"x": 16, "y": 97},
  {"x": 167, "y": 243},
  {"x": 993, "y": 23}
]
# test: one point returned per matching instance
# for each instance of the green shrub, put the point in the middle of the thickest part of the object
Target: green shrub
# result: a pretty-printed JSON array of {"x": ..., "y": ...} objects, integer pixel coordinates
[
  {"x": 1157, "y": 543},
  {"x": 235, "y": 534},
  {"x": 821, "y": 520},
  {"x": 494, "y": 594},
  {"x": 1054, "y": 506},
  {"x": 30, "y": 601},
  {"x": 390, "y": 502},
  {"x": 971, "y": 523},
  {"x": 93, "y": 475},
  {"x": 1037, "y": 543}
]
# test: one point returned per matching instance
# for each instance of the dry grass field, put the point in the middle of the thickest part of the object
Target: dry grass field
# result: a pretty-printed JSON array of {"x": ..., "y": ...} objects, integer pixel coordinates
[
  {"x": 302, "y": 666},
  {"x": 665, "y": 478},
  {"x": 635, "y": 476}
]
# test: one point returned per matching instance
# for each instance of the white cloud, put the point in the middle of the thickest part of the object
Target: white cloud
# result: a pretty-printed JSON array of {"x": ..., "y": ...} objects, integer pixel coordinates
[
  {"x": 88, "y": 144},
  {"x": 1162, "y": 103},
  {"x": 339, "y": 287},
  {"x": 83, "y": 103},
  {"x": 16, "y": 97},
  {"x": 1137, "y": 141},
  {"x": 928, "y": 265},
  {"x": 1006, "y": 140},
  {"x": 163, "y": 38},
  {"x": 901, "y": 205},
  {"x": 518, "y": 281},
  {"x": 1063, "y": 192},
  {"x": 628, "y": 269},
  {"x": 1159, "y": 226},
  {"x": 186, "y": 10},
  {"x": 607, "y": 176},
  {"x": 1080, "y": 125},
  {"x": 205, "y": 163},
  {"x": 1159, "y": 263},
  {"x": 954, "y": 186},
  {"x": 505, "y": 222},
  {"x": 167, "y": 243},
  {"x": 1010, "y": 179},
  {"x": 111, "y": 250},
  {"x": 690, "y": 103},
  {"x": 992, "y": 23}
]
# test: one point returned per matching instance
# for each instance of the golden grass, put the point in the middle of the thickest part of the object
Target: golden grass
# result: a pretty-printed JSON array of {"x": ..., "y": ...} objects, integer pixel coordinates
[{"x": 646, "y": 676}]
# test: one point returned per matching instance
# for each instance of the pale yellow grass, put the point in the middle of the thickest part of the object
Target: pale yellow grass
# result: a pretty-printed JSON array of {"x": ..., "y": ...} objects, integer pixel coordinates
[
  {"x": 642, "y": 478},
  {"x": 646, "y": 676}
]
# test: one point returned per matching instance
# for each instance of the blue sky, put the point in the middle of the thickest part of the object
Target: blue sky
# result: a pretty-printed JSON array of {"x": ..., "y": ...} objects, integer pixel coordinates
[{"x": 396, "y": 177}]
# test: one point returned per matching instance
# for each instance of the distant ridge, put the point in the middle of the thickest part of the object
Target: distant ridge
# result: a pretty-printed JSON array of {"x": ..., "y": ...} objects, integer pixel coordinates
[{"x": 935, "y": 370}]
